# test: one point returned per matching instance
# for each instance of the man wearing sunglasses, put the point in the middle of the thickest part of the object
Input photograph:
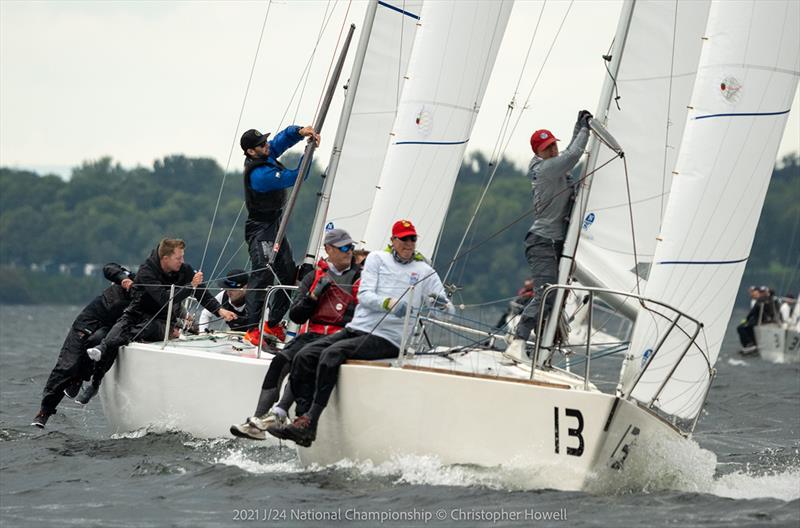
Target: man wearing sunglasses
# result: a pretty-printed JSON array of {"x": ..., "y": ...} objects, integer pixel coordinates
[
  {"x": 323, "y": 304},
  {"x": 384, "y": 298}
]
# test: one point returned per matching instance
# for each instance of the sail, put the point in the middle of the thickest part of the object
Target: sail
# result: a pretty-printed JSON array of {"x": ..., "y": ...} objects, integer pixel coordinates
[
  {"x": 374, "y": 109},
  {"x": 747, "y": 77},
  {"x": 450, "y": 66},
  {"x": 654, "y": 83}
]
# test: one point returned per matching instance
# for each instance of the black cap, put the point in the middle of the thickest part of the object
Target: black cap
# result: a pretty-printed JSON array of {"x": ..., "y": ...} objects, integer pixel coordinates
[
  {"x": 236, "y": 278},
  {"x": 252, "y": 138}
]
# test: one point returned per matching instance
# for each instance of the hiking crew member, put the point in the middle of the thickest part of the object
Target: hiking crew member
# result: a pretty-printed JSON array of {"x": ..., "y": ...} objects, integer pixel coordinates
[
  {"x": 231, "y": 298},
  {"x": 146, "y": 316},
  {"x": 266, "y": 181},
  {"x": 553, "y": 189},
  {"x": 375, "y": 332},
  {"x": 88, "y": 329},
  {"x": 323, "y": 304}
]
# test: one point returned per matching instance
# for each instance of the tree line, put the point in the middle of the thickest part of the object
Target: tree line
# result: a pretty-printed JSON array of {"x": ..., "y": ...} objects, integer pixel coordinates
[{"x": 105, "y": 212}]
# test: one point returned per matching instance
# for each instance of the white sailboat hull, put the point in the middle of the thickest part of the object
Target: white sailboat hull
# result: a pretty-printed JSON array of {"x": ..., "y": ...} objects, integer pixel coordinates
[
  {"x": 180, "y": 389},
  {"x": 778, "y": 344},
  {"x": 557, "y": 435}
]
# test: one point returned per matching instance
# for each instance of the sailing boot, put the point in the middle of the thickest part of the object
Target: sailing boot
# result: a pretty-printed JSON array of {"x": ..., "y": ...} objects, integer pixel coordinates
[
  {"x": 87, "y": 393},
  {"x": 301, "y": 431},
  {"x": 72, "y": 390},
  {"x": 517, "y": 351},
  {"x": 41, "y": 418},
  {"x": 247, "y": 430}
]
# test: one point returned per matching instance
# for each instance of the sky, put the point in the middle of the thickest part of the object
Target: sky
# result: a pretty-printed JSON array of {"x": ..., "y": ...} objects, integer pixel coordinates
[{"x": 137, "y": 81}]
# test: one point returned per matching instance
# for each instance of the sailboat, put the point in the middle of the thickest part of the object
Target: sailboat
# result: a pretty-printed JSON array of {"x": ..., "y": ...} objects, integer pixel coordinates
[{"x": 702, "y": 110}]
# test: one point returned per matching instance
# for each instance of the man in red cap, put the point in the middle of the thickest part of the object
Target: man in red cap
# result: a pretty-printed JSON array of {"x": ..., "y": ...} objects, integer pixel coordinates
[
  {"x": 384, "y": 298},
  {"x": 553, "y": 194}
]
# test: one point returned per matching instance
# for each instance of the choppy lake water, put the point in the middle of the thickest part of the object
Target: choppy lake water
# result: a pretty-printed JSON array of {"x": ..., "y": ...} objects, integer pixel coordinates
[{"x": 74, "y": 473}]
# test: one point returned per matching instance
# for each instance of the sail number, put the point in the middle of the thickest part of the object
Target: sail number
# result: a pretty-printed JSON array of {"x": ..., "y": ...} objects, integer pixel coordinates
[{"x": 572, "y": 432}]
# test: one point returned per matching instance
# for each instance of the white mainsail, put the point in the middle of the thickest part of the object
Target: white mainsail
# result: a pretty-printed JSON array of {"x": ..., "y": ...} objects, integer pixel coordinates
[
  {"x": 747, "y": 77},
  {"x": 450, "y": 66},
  {"x": 374, "y": 109},
  {"x": 655, "y": 80}
]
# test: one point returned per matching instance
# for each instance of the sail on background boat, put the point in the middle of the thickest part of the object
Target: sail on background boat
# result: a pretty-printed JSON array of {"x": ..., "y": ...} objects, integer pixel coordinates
[
  {"x": 450, "y": 66},
  {"x": 746, "y": 80}
]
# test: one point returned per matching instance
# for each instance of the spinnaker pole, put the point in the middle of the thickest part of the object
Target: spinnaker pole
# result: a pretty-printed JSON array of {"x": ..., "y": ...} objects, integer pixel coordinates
[{"x": 311, "y": 147}]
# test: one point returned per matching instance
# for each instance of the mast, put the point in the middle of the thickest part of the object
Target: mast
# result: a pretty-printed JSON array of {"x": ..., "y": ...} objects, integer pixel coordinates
[
  {"x": 336, "y": 154},
  {"x": 579, "y": 209},
  {"x": 305, "y": 166}
]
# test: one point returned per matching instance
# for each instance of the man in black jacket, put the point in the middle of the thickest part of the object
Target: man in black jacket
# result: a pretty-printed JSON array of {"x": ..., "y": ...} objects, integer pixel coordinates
[
  {"x": 323, "y": 304},
  {"x": 266, "y": 183},
  {"x": 147, "y": 313},
  {"x": 91, "y": 325}
]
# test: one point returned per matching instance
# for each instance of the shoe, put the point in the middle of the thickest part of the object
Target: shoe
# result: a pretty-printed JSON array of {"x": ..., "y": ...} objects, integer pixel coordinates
[
  {"x": 87, "y": 393},
  {"x": 272, "y": 417},
  {"x": 301, "y": 431},
  {"x": 40, "y": 419},
  {"x": 276, "y": 331},
  {"x": 517, "y": 351},
  {"x": 72, "y": 390},
  {"x": 748, "y": 350},
  {"x": 246, "y": 430},
  {"x": 94, "y": 353}
]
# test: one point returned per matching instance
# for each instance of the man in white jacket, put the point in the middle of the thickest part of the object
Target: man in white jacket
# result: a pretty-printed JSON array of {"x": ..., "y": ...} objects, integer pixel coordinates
[{"x": 384, "y": 298}]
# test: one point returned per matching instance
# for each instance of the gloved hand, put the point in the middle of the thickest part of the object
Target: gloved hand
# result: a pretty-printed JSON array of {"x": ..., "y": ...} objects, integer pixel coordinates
[
  {"x": 94, "y": 353},
  {"x": 583, "y": 118},
  {"x": 400, "y": 308},
  {"x": 439, "y": 301},
  {"x": 322, "y": 284}
]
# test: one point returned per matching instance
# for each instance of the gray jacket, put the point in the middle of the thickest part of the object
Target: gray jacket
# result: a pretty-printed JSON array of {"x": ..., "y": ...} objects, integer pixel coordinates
[{"x": 553, "y": 187}]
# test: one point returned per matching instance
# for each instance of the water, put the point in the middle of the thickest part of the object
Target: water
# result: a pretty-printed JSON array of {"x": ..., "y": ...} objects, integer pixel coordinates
[{"x": 75, "y": 474}]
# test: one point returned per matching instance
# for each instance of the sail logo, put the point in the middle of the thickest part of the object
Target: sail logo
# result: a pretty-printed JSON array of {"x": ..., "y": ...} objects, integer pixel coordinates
[
  {"x": 423, "y": 121},
  {"x": 730, "y": 89},
  {"x": 646, "y": 356},
  {"x": 588, "y": 221},
  {"x": 328, "y": 226}
]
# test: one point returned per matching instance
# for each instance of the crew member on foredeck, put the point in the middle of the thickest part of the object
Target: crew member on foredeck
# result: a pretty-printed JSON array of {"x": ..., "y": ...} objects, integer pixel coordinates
[
  {"x": 553, "y": 189},
  {"x": 266, "y": 181},
  {"x": 146, "y": 316},
  {"x": 384, "y": 298},
  {"x": 231, "y": 298},
  {"x": 323, "y": 303},
  {"x": 89, "y": 327}
]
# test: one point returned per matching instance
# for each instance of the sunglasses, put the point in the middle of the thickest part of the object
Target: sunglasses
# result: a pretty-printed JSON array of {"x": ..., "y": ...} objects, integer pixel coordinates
[
  {"x": 346, "y": 248},
  {"x": 408, "y": 238}
]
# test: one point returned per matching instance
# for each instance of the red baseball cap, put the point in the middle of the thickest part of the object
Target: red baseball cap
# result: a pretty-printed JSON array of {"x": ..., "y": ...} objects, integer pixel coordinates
[
  {"x": 403, "y": 228},
  {"x": 541, "y": 139}
]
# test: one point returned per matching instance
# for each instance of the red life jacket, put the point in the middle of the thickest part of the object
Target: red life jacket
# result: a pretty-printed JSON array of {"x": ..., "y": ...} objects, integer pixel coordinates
[{"x": 332, "y": 306}]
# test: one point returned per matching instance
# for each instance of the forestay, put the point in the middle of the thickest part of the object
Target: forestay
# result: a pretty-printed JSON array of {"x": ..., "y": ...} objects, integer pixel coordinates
[
  {"x": 450, "y": 66},
  {"x": 747, "y": 78},
  {"x": 374, "y": 110},
  {"x": 655, "y": 80}
]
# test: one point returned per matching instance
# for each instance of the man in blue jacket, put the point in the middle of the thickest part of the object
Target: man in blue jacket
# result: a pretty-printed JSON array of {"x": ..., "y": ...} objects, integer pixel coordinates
[{"x": 266, "y": 181}]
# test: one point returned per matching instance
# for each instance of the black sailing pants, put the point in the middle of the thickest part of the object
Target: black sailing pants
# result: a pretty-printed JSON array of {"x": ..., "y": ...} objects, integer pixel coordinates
[
  {"x": 260, "y": 237},
  {"x": 316, "y": 367},
  {"x": 72, "y": 365}
]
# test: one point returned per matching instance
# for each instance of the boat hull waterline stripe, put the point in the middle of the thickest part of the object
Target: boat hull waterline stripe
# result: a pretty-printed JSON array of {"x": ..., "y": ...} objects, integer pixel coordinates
[
  {"x": 704, "y": 262},
  {"x": 401, "y": 11},
  {"x": 744, "y": 114}
]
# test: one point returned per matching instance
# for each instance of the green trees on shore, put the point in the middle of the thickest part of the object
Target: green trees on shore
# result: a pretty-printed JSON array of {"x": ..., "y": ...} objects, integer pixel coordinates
[{"x": 105, "y": 212}]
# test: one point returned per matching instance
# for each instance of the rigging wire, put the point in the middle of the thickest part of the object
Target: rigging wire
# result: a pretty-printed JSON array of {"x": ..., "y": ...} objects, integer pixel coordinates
[
  {"x": 236, "y": 132},
  {"x": 307, "y": 72},
  {"x": 668, "y": 123}
]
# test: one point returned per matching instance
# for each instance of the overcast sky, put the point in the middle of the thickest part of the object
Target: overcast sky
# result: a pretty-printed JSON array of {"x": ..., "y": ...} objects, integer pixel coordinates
[{"x": 140, "y": 80}]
